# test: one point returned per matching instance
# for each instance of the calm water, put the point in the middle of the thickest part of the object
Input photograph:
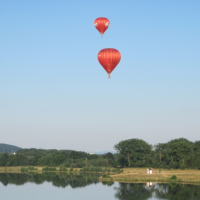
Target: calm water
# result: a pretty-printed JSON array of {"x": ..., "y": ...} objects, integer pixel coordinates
[{"x": 86, "y": 187}]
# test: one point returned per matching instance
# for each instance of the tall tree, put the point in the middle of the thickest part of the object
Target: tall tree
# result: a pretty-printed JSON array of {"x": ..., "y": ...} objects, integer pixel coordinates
[
  {"x": 134, "y": 150},
  {"x": 160, "y": 149},
  {"x": 180, "y": 151}
]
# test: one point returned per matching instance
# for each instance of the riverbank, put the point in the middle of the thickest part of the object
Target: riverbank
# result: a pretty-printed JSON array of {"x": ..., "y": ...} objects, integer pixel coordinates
[
  {"x": 18, "y": 169},
  {"x": 132, "y": 175}
]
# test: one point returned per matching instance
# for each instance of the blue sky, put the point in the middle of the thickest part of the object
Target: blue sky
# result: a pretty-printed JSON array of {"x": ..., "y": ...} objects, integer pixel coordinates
[{"x": 55, "y": 94}]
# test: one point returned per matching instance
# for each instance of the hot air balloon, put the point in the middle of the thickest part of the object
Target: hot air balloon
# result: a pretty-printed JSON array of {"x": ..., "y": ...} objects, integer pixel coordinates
[
  {"x": 109, "y": 59},
  {"x": 101, "y": 24}
]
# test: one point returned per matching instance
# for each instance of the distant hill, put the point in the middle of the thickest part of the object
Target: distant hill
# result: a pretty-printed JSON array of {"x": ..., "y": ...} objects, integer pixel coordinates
[{"x": 6, "y": 148}]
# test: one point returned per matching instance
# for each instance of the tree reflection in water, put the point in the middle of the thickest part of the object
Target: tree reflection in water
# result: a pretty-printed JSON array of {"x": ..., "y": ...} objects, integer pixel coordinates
[
  {"x": 177, "y": 192},
  {"x": 58, "y": 180},
  {"x": 123, "y": 191},
  {"x": 129, "y": 191}
]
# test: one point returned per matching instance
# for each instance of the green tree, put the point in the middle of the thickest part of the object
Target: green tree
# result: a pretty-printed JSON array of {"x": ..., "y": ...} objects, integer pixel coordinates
[
  {"x": 3, "y": 159},
  {"x": 135, "y": 150},
  {"x": 180, "y": 151},
  {"x": 160, "y": 150}
]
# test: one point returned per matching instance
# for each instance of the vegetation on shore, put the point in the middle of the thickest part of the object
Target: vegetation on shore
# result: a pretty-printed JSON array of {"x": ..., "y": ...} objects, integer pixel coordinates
[
  {"x": 132, "y": 175},
  {"x": 129, "y": 175},
  {"x": 175, "y": 154}
]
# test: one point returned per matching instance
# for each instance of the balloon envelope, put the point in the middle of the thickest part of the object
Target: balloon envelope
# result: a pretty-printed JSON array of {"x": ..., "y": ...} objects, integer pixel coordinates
[
  {"x": 109, "y": 59},
  {"x": 101, "y": 24}
]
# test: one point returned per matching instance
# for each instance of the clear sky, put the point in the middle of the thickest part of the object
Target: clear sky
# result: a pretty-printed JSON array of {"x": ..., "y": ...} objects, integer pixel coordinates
[{"x": 55, "y": 94}]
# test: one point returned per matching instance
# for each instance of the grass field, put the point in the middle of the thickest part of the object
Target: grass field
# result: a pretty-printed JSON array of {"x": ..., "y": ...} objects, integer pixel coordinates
[
  {"x": 18, "y": 169},
  {"x": 139, "y": 175}
]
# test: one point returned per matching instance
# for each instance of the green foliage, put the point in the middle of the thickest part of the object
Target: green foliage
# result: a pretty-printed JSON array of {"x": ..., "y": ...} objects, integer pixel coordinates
[
  {"x": 23, "y": 170},
  {"x": 134, "y": 151},
  {"x": 175, "y": 154},
  {"x": 49, "y": 169},
  {"x": 32, "y": 168},
  {"x": 180, "y": 151},
  {"x": 173, "y": 178},
  {"x": 71, "y": 169},
  {"x": 183, "y": 166},
  {"x": 172, "y": 165},
  {"x": 105, "y": 175}
]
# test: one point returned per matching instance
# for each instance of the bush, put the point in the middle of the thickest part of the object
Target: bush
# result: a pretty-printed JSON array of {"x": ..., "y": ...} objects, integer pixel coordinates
[
  {"x": 105, "y": 175},
  {"x": 173, "y": 178},
  {"x": 23, "y": 170}
]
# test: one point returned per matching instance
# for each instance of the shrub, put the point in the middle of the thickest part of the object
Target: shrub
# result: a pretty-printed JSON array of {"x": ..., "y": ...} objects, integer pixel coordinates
[
  {"x": 105, "y": 176},
  {"x": 173, "y": 178},
  {"x": 24, "y": 170}
]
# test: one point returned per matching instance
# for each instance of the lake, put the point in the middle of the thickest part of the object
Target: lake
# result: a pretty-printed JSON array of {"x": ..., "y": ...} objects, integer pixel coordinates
[{"x": 53, "y": 186}]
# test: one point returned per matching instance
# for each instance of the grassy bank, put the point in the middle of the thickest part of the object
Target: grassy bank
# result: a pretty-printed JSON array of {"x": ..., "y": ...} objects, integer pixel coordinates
[
  {"x": 17, "y": 169},
  {"x": 139, "y": 175},
  {"x": 132, "y": 175}
]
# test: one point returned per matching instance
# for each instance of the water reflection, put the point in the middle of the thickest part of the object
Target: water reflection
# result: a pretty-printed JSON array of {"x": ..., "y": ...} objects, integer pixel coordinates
[
  {"x": 122, "y": 191},
  {"x": 157, "y": 191},
  {"x": 133, "y": 191},
  {"x": 58, "y": 180}
]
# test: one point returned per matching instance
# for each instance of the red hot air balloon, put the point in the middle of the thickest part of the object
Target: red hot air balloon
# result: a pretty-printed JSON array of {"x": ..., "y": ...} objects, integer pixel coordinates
[
  {"x": 109, "y": 59},
  {"x": 101, "y": 24}
]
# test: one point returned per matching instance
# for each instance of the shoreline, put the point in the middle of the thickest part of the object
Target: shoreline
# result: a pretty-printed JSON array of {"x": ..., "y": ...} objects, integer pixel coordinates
[
  {"x": 130, "y": 175},
  {"x": 138, "y": 175}
]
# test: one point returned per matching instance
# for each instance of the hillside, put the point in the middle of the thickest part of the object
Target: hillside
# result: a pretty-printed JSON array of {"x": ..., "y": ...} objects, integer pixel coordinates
[{"x": 8, "y": 148}]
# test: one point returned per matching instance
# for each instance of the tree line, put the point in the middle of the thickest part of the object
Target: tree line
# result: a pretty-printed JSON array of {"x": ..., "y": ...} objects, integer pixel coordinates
[
  {"x": 175, "y": 154},
  {"x": 179, "y": 153},
  {"x": 66, "y": 158}
]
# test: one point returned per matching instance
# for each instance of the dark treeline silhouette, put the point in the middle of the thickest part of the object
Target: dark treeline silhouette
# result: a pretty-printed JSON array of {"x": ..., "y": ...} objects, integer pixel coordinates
[
  {"x": 179, "y": 153},
  {"x": 6, "y": 148}
]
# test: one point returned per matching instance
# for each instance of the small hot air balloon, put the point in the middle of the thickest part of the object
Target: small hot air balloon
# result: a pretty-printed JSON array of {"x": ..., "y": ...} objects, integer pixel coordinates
[
  {"x": 109, "y": 59},
  {"x": 101, "y": 24}
]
